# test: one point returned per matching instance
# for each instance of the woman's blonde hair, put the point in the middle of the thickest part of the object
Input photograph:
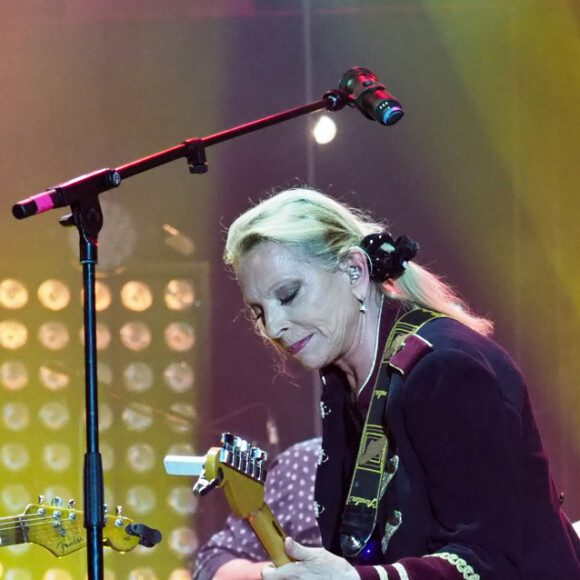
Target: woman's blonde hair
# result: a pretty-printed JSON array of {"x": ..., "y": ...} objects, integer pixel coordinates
[{"x": 326, "y": 230}]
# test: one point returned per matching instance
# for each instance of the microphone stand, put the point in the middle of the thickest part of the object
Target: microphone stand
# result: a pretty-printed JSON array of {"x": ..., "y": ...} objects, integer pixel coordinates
[{"x": 81, "y": 194}]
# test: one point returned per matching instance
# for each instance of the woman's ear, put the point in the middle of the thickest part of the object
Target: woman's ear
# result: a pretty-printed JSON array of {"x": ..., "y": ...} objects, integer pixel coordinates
[{"x": 355, "y": 265}]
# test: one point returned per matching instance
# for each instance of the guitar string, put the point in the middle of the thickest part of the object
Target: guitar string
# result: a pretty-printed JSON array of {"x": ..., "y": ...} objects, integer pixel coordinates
[{"x": 34, "y": 521}]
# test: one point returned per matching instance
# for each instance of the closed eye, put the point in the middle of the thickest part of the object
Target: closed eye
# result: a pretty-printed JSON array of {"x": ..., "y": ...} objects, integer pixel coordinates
[{"x": 287, "y": 299}]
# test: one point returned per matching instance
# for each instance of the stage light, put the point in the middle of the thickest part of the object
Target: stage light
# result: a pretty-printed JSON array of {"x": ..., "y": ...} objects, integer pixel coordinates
[
  {"x": 54, "y": 295},
  {"x": 324, "y": 130},
  {"x": 179, "y": 377},
  {"x": 53, "y": 335},
  {"x": 15, "y": 494},
  {"x": 182, "y": 501},
  {"x": 54, "y": 415},
  {"x": 138, "y": 377},
  {"x": 180, "y": 336},
  {"x": 13, "y": 334},
  {"x": 141, "y": 457},
  {"x": 106, "y": 417},
  {"x": 107, "y": 456},
  {"x": 105, "y": 373},
  {"x": 17, "y": 574},
  {"x": 16, "y": 416},
  {"x": 179, "y": 295},
  {"x": 15, "y": 456},
  {"x": 181, "y": 449},
  {"x": 178, "y": 241},
  {"x": 136, "y": 296},
  {"x": 53, "y": 378},
  {"x": 102, "y": 296},
  {"x": 57, "y": 574},
  {"x": 136, "y": 336},
  {"x": 57, "y": 456},
  {"x": 142, "y": 574},
  {"x": 141, "y": 499},
  {"x": 13, "y": 294},
  {"x": 137, "y": 417},
  {"x": 183, "y": 541},
  {"x": 14, "y": 375}
]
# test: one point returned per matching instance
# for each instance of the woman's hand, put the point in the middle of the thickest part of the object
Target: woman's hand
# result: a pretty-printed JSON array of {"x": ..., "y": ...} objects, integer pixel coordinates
[{"x": 310, "y": 564}]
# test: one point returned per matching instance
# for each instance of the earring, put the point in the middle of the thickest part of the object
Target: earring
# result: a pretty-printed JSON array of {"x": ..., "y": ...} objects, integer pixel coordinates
[
  {"x": 354, "y": 273},
  {"x": 362, "y": 306}
]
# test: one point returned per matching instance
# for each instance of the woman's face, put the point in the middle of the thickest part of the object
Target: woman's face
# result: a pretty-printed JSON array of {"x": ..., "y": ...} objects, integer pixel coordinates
[{"x": 305, "y": 309}]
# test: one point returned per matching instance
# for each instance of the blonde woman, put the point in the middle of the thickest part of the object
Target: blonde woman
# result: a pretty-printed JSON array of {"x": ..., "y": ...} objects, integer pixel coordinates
[{"x": 432, "y": 466}]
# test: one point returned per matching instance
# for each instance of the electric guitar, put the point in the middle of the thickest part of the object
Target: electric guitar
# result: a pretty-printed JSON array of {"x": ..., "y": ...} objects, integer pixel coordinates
[
  {"x": 238, "y": 468},
  {"x": 61, "y": 530}
]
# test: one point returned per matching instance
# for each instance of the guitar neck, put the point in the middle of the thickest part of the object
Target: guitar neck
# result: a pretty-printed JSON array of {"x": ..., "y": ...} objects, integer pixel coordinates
[
  {"x": 13, "y": 530},
  {"x": 238, "y": 469},
  {"x": 270, "y": 533}
]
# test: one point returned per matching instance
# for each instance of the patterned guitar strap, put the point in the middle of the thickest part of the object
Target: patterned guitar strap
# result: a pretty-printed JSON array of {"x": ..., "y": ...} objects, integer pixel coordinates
[{"x": 369, "y": 480}]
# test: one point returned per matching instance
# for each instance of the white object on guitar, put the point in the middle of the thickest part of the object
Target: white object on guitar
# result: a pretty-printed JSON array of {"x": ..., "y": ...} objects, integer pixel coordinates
[{"x": 184, "y": 464}]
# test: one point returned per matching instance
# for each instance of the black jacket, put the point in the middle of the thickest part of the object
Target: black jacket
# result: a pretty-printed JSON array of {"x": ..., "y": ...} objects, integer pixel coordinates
[{"x": 473, "y": 486}]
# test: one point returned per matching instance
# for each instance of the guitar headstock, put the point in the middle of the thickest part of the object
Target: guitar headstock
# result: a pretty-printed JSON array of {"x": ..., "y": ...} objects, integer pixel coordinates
[
  {"x": 61, "y": 529},
  {"x": 237, "y": 467}
]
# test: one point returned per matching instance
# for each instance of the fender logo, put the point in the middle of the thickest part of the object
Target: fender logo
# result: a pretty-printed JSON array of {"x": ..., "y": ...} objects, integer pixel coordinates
[{"x": 370, "y": 503}]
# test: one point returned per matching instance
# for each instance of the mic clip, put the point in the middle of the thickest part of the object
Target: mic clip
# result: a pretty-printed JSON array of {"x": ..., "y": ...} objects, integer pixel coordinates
[
  {"x": 337, "y": 99},
  {"x": 195, "y": 154}
]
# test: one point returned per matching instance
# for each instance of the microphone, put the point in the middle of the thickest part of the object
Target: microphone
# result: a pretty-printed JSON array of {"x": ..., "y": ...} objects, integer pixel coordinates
[
  {"x": 370, "y": 97},
  {"x": 69, "y": 193}
]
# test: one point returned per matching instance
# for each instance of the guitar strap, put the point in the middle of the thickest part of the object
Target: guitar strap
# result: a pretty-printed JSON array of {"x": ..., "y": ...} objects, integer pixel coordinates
[{"x": 369, "y": 480}]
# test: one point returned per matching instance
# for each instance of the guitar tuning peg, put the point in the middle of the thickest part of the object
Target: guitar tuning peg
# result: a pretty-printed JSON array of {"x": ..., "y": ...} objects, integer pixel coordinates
[
  {"x": 228, "y": 442},
  {"x": 119, "y": 510},
  {"x": 105, "y": 508},
  {"x": 72, "y": 504},
  {"x": 259, "y": 472},
  {"x": 228, "y": 439},
  {"x": 203, "y": 486},
  {"x": 56, "y": 501},
  {"x": 41, "y": 499},
  {"x": 244, "y": 451},
  {"x": 237, "y": 457}
]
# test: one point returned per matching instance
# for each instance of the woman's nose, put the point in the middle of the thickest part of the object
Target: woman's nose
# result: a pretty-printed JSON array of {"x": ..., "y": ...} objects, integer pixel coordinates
[{"x": 275, "y": 324}]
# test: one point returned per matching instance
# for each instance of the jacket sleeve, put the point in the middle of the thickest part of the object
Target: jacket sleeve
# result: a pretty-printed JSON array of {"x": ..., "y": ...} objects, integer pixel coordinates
[{"x": 467, "y": 437}]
